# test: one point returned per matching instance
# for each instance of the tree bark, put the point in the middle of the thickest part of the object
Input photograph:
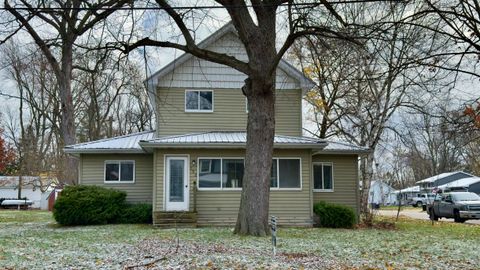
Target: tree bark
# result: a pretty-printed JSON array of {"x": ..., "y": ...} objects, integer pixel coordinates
[
  {"x": 254, "y": 204},
  {"x": 366, "y": 171},
  {"x": 67, "y": 125}
]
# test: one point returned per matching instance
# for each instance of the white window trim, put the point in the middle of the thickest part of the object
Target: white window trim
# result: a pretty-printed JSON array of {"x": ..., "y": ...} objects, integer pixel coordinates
[
  {"x": 278, "y": 188},
  {"x": 198, "y": 110},
  {"x": 333, "y": 177},
  {"x": 239, "y": 189},
  {"x": 221, "y": 174},
  {"x": 119, "y": 172}
]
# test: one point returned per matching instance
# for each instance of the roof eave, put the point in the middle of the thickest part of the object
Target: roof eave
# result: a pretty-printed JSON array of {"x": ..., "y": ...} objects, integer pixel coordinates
[
  {"x": 77, "y": 152},
  {"x": 344, "y": 152}
]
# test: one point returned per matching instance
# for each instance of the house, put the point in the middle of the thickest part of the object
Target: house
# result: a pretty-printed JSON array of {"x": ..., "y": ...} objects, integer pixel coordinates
[
  {"x": 193, "y": 161},
  {"x": 405, "y": 195},
  {"x": 430, "y": 183},
  {"x": 471, "y": 184},
  {"x": 381, "y": 193},
  {"x": 32, "y": 188}
]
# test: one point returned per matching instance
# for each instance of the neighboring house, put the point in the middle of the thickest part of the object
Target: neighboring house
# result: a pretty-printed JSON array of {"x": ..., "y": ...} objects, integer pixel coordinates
[
  {"x": 406, "y": 194},
  {"x": 428, "y": 184},
  {"x": 471, "y": 184},
  {"x": 194, "y": 163},
  {"x": 381, "y": 193},
  {"x": 32, "y": 188}
]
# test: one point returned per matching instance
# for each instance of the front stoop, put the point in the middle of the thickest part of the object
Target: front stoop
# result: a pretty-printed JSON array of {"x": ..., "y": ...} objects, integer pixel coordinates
[{"x": 175, "y": 219}]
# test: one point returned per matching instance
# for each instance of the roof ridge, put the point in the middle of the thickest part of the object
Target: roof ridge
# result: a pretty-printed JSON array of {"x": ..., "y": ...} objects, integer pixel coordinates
[{"x": 111, "y": 138}]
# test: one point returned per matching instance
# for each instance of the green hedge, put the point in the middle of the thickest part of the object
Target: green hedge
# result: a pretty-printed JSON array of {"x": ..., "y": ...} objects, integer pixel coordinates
[
  {"x": 90, "y": 205},
  {"x": 334, "y": 215},
  {"x": 136, "y": 213}
]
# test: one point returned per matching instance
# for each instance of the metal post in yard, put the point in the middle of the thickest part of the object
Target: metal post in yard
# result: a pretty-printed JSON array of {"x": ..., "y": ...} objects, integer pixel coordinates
[{"x": 273, "y": 228}]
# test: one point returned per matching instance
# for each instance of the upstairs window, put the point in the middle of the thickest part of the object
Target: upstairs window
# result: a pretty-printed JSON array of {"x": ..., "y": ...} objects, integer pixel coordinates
[
  {"x": 120, "y": 171},
  {"x": 199, "y": 101},
  {"x": 323, "y": 176}
]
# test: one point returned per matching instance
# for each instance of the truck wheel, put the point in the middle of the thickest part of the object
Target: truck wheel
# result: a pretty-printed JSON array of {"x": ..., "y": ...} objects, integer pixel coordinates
[
  {"x": 457, "y": 218},
  {"x": 419, "y": 204},
  {"x": 432, "y": 215}
]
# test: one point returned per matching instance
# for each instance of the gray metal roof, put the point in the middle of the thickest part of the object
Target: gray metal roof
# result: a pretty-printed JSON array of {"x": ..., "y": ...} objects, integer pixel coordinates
[
  {"x": 236, "y": 139},
  {"x": 343, "y": 147},
  {"x": 127, "y": 143},
  {"x": 142, "y": 141},
  {"x": 464, "y": 182}
]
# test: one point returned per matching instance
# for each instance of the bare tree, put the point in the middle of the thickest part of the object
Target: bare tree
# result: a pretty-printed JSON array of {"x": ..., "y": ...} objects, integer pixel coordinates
[
  {"x": 460, "y": 24},
  {"x": 256, "y": 26},
  {"x": 68, "y": 20},
  {"x": 36, "y": 142},
  {"x": 360, "y": 89}
]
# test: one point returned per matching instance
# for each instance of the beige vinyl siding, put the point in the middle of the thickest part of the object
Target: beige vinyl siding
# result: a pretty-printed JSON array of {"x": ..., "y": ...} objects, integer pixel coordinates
[
  {"x": 199, "y": 73},
  {"x": 345, "y": 180},
  {"x": 93, "y": 168},
  {"x": 229, "y": 112},
  {"x": 220, "y": 207}
]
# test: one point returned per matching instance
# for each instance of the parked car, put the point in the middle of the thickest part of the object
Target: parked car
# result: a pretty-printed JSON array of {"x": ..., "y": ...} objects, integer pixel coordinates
[
  {"x": 460, "y": 206},
  {"x": 422, "y": 199}
]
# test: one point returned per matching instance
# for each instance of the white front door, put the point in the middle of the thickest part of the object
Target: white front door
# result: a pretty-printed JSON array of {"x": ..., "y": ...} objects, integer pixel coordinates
[{"x": 176, "y": 184}]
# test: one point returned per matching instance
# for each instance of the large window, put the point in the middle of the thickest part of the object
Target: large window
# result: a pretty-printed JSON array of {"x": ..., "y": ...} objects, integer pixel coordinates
[
  {"x": 323, "y": 176},
  {"x": 119, "y": 171},
  {"x": 199, "y": 101},
  {"x": 285, "y": 173},
  {"x": 220, "y": 173},
  {"x": 225, "y": 173}
]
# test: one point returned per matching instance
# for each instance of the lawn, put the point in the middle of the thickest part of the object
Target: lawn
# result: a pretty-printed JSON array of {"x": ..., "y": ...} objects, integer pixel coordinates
[{"x": 32, "y": 240}]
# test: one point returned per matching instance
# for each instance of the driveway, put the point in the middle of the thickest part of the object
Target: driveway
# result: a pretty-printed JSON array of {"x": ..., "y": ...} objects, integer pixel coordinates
[{"x": 419, "y": 214}]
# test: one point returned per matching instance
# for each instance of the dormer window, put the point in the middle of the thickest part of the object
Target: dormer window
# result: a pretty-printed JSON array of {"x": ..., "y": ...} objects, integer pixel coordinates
[{"x": 199, "y": 101}]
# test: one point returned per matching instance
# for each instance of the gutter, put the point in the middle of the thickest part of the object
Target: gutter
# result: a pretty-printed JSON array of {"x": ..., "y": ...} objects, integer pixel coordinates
[
  {"x": 343, "y": 152},
  {"x": 77, "y": 152}
]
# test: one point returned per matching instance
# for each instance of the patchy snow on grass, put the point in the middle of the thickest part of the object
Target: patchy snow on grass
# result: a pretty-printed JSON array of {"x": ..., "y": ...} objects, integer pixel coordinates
[{"x": 33, "y": 241}]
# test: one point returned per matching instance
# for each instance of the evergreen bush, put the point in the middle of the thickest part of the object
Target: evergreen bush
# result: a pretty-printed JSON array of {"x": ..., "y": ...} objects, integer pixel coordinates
[
  {"x": 334, "y": 215},
  {"x": 136, "y": 213},
  {"x": 88, "y": 205}
]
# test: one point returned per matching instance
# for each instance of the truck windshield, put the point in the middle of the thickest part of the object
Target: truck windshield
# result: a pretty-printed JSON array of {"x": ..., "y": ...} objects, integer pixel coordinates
[{"x": 466, "y": 197}]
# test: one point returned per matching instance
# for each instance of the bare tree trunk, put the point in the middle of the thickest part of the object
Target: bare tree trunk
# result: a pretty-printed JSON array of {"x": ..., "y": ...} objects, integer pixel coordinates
[
  {"x": 20, "y": 180},
  {"x": 67, "y": 125},
  {"x": 254, "y": 205},
  {"x": 366, "y": 171}
]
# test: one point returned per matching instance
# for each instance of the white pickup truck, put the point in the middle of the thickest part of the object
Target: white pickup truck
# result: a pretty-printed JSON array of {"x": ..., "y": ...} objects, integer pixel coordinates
[{"x": 422, "y": 199}]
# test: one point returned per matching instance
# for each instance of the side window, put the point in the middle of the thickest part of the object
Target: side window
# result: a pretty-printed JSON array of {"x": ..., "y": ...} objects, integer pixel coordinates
[
  {"x": 119, "y": 171},
  {"x": 323, "y": 176},
  {"x": 199, "y": 101}
]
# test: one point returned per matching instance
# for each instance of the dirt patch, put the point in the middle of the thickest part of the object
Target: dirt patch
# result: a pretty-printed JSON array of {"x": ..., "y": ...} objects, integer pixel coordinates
[{"x": 381, "y": 225}]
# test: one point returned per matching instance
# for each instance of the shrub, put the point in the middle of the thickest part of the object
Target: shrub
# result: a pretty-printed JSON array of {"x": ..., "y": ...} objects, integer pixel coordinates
[
  {"x": 334, "y": 215},
  {"x": 86, "y": 205},
  {"x": 135, "y": 213}
]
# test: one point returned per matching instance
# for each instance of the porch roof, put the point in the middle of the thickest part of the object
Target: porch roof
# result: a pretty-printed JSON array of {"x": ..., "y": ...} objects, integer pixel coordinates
[
  {"x": 227, "y": 139},
  {"x": 144, "y": 142}
]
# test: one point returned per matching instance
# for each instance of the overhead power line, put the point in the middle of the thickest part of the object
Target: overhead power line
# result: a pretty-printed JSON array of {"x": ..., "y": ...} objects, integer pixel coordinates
[{"x": 194, "y": 7}]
